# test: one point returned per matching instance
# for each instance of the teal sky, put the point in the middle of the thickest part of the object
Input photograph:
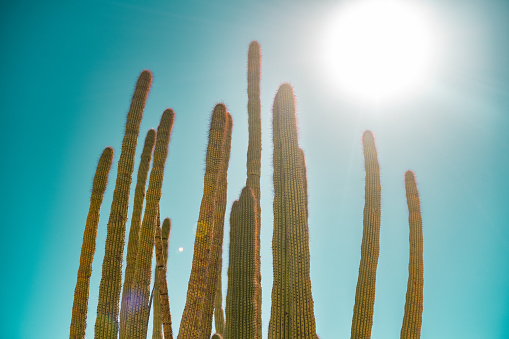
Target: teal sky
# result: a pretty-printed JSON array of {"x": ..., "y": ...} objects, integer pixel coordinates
[{"x": 68, "y": 72}]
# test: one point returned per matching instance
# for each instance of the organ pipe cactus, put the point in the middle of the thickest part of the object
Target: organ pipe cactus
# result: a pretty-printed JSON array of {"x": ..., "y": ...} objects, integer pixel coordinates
[
  {"x": 190, "y": 325},
  {"x": 134, "y": 231},
  {"x": 219, "y": 320},
  {"x": 106, "y": 325},
  {"x": 81, "y": 292},
  {"x": 157, "y": 316},
  {"x": 241, "y": 297},
  {"x": 292, "y": 314},
  {"x": 215, "y": 264},
  {"x": 362, "y": 320},
  {"x": 140, "y": 290},
  {"x": 412, "y": 320}
]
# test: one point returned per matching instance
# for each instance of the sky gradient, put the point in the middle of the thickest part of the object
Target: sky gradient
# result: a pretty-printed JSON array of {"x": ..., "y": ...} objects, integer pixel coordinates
[{"x": 68, "y": 74}]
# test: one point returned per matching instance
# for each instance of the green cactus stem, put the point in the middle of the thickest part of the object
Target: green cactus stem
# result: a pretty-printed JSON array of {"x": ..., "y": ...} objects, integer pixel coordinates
[
  {"x": 106, "y": 324},
  {"x": 362, "y": 320},
  {"x": 157, "y": 324},
  {"x": 81, "y": 292}
]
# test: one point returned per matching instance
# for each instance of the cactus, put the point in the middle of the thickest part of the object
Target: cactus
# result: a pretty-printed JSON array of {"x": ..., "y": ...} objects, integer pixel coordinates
[
  {"x": 134, "y": 231},
  {"x": 362, "y": 320},
  {"x": 190, "y": 325},
  {"x": 241, "y": 297},
  {"x": 254, "y": 154},
  {"x": 140, "y": 290},
  {"x": 215, "y": 265},
  {"x": 412, "y": 320},
  {"x": 81, "y": 292},
  {"x": 106, "y": 325},
  {"x": 219, "y": 320},
  {"x": 216, "y": 336},
  {"x": 292, "y": 314},
  {"x": 157, "y": 317}
]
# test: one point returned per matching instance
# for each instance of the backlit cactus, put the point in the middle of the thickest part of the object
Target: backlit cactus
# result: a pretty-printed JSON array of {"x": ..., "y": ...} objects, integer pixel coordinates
[
  {"x": 157, "y": 315},
  {"x": 215, "y": 264},
  {"x": 81, "y": 292},
  {"x": 134, "y": 231},
  {"x": 412, "y": 319},
  {"x": 292, "y": 314},
  {"x": 362, "y": 320},
  {"x": 241, "y": 297},
  {"x": 139, "y": 307},
  {"x": 190, "y": 325},
  {"x": 106, "y": 325}
]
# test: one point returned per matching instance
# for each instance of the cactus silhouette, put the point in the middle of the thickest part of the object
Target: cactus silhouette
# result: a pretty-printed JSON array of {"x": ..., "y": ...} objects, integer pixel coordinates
[
  {"x": 362, "y": 320},
  {"x": 241, "y": 297},
  {"x": 190, "y": 325},
  {"x": 81, "y": 292},
  {"x": 106, "y": 324},
  {"x": 134, "y": 231},
  {"x": 412, "y": 320},
  {"x": 292, "y": 314},
  {"x": 140, "y": 291},
  {"x": 157, "y": 316},
  {"x": 215, "y": 264}
]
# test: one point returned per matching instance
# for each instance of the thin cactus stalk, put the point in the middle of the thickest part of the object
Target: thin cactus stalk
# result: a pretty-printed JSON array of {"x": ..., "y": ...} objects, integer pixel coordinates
[
  {"x": 134, "y": 231},
  {"x": 81, "y": 292},
  {"x": 139, "y": 304},
  {"x": 106, "y": 325},
  {"x": 254, "y": 153},
  {"x": 215, "y": 266},
  {"x": 362, "y": 320},
  {"x": 292, "y": 314},
  {"x": 219, "y": 320},
  {"x": 241, "y": 297},
  {"x": 157, "y": 325},
  {"x": 190, "y": 325},
  {"x": 412, "y": 320}
]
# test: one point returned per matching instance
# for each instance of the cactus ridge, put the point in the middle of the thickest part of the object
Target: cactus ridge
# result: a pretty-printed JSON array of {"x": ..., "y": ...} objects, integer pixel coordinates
[
  {"x": 81, "y": 291},
  {"x": 134, "y": 231},
  {"x": 292, "y": 314},
  {"x": 190, "y": 325},
  {"x": 139, "y": 307},
  {"x": 106, "y": 325},
  {"x": 362, "y": 320},
  {"x": 412, "y": 320},
  {"x": 215, "y": 265}
]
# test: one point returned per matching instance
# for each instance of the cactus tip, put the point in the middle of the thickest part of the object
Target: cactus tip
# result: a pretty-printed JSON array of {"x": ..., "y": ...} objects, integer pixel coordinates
[
  {"x": 409, "y": 176},
  {"x": 367, "y": 136}
]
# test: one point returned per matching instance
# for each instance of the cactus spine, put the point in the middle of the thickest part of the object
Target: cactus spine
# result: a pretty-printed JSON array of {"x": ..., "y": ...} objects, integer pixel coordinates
[
  {"x": 412, "y": 319},
  {"x": 106, "y": 325},
  {"x": 157, "y": 317},
  {"x": 362, "y": 320},
  {"x": 292, "y": 313},
  {"x": 254, "y": 154},
  {"x": 241, "y": 298},
  {"x": 134, "y": 231},
  {"x": 81, "y": 292},
  {"x": 215, "y": 266},
  {"x": 190, "y": 325},
  {"x": 140, "y": 291}
]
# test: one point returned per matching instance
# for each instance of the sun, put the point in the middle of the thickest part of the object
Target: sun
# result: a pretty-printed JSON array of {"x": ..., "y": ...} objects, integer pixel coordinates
[{"x": 379, "y": 50}]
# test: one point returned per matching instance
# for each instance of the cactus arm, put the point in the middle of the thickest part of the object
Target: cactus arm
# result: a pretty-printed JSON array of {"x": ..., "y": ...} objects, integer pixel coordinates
[{"x": 163, "y": 286}]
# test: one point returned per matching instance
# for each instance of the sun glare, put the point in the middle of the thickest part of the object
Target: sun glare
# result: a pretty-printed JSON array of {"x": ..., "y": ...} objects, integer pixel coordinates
[{"x": 379, "y": 50}]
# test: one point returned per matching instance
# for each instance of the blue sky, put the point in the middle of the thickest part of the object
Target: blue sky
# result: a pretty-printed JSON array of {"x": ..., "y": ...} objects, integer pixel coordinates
[{"x": 68, "y": 73}]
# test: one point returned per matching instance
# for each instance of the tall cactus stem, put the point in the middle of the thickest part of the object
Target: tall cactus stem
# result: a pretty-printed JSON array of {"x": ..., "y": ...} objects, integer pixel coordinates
[
  {"x": 81, "y": 292},
  {"x": 362, "y": 320},
  {"x": 106, "y": 324},
  {"x": 412, "y": 320},
  {"x": 157, "y": 325}
]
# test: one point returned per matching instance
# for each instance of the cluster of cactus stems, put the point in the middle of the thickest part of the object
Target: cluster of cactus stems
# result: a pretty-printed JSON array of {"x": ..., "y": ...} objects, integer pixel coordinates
[{"x": 292, "y": 310}]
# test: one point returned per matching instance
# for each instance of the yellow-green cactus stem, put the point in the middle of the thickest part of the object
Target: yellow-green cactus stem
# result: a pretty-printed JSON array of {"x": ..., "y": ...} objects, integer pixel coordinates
[
  {"x": 254, "y": 151},
  {"x": 163, "y": 286},
  {"x": 412, "y": 319},
  {"x": 157, "y": 324},
  {"x": 292, "y": 314},
  {"x": 106, "y": 324},
  {"x": 140, "y": 291},
  {"x": 134, "y": 231},
  {"x": 190, "y": 325},
  {"x": 241, "y": 298},
  {"x": 81, "y": 292},
  {"x": 215, "y": 265},
  {"x": 362, "y": 320},
  {"x": 219, "y": 320}
]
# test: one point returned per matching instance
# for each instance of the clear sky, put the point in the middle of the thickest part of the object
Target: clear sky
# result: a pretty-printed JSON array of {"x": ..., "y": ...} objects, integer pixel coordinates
[{"x": 68, "y": 71}]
